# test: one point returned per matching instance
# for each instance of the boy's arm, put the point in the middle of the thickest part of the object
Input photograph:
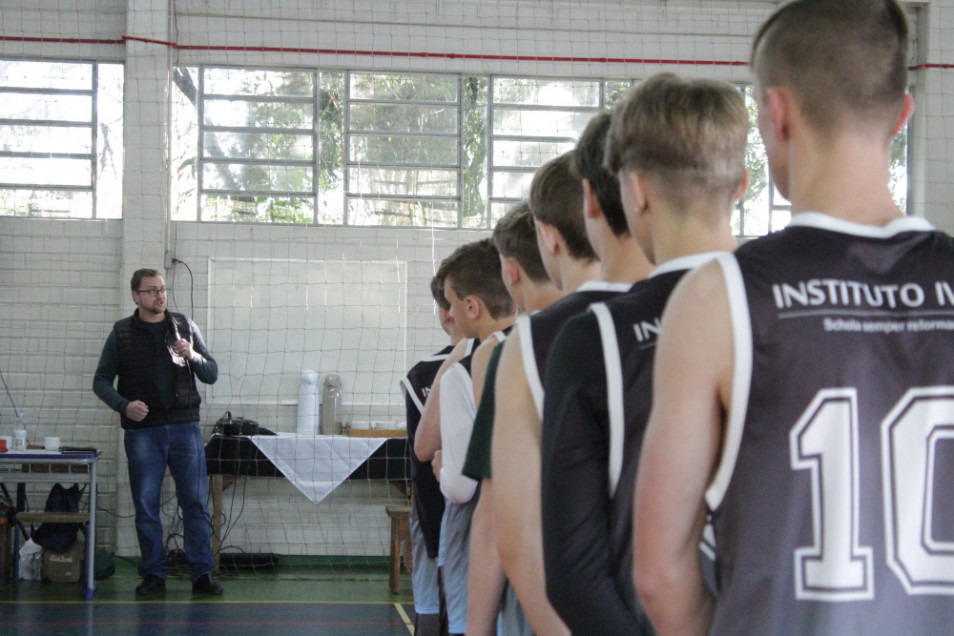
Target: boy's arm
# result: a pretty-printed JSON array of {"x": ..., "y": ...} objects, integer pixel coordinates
[
  {"x": 691, "y": 385},
  {"x": 515, "y": 460},
  {"x": 576, "y": 503},
  {"x": 486, "y": 578}
]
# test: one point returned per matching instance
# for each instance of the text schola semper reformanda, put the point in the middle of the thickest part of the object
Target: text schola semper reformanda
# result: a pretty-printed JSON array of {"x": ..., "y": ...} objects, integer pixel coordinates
[{"x": 887, "y": 326}]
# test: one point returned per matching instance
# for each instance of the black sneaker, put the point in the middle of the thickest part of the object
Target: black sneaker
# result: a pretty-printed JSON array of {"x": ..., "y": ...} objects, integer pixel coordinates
[
  {"x": 205, "y": 584},
  {"x": 151, "y": 585}
]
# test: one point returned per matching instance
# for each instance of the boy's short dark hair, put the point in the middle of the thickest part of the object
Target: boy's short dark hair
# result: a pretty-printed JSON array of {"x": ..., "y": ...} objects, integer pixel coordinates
[
  {"x": 438, "y": 294},
  {"x": 588, "y": 164},
  {"x": 844, "y": 60},
  {"x": 556, "y": 198},
  {"x": 475, "y": 271},
  {"x": 516, "y": 237}
]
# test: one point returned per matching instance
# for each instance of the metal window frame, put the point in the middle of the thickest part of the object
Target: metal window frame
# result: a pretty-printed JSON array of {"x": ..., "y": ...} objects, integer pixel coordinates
[
  {"x": 773, "y": 208},
  {"x": 493, "y": 106},
  {"x": 348, "y": 133},
  {"x": 92, "y": 124},
  {"x": 202, "y": 97}
]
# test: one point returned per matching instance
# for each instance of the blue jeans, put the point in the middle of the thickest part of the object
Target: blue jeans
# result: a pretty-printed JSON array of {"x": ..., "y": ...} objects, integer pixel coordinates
[{"x": 149, "y": 451}]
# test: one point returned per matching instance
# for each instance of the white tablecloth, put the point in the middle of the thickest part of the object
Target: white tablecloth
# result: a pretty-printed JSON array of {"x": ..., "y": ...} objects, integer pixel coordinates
[{"x": 316, "y": 464}]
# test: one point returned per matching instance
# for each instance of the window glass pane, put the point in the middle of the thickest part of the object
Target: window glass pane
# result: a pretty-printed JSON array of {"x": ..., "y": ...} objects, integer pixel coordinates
[
  {"x": 256, "y": 177},
  {"x": 614, "y": 91},
  {"x": 232, "y": 113},
  {"x": 474, "y": 157},
  {"x": 755, "y": 221},
  {"x": 778, "y": 200},
  {"x": 331, "y": 205},
  {"x": 406, "y": 213},
  {"x": 755, "y": 201},
  {"x": 387, "y": 87},
  {"x": 249, "y": 145},
  {"x": 404, "y": 118},
  {"x": 528, "y": 154},
  {"x": 86, "y": 126},
  {"x": 256, "y": 208},
  {"x": 780, "y": 218},
  {"x": 59, "y": 75},
  {"x": 546, "y": 92},
  {"x": 512, "y": 185},
  {"x": 50, "y": 139},
  {"x": 400, "y": 149},
  {"x": 541, "y": 123},
  {"x": 67, "y": 203},
  {"x": 498, "y": 209},
  {"x": 475, "y": 219},
  {"x": 240, "y": 81},
  {"x": 46, "y": 107},
  {"x": 184, "y": 142},
  {"x": 70, "y": 172},
  {"x": 899, "y": 169},
  {"x": 331, "y": 96},
  {"x": 109, "y": 142},
  {"x": 407, "y": 182}
]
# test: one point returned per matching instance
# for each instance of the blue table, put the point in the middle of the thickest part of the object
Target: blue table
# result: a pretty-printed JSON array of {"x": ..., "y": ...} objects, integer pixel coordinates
[{"x": 39, "y": 466}]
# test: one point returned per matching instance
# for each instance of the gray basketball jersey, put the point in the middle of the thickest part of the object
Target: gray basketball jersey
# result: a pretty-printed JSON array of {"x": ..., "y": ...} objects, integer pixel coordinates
[{"x": 832, "y": 505}]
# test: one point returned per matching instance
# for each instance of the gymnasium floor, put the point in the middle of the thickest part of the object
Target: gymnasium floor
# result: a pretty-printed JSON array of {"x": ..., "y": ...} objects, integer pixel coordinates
[{"x": 271, "y": 604}]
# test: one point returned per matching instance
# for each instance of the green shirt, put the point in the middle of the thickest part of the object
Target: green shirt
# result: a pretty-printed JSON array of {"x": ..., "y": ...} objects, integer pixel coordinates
[{"x": 477, "y": 464}]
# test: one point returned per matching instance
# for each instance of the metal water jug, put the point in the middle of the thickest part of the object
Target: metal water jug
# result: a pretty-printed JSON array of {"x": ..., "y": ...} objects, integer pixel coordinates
[{"x": 330, "y": 420}]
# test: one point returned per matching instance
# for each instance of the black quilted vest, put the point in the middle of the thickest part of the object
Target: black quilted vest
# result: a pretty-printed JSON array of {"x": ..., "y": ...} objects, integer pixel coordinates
[{"x": 138, "y": 367}]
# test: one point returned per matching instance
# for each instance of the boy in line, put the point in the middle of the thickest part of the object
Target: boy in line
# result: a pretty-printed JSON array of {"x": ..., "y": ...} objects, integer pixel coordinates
[
  {"x": 491, "y": 604},
  {"x": 481, "y": 307},
  {"x": 678, "y": 147},
  {"x": 573, "y": 234},
  {"x": 785, "y": 402},
  {"x": 428, "y": 509}
]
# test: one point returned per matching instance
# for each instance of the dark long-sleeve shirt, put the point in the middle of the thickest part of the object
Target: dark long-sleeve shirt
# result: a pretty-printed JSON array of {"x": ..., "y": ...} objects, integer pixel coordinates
[{"x": 204, "y": 366}]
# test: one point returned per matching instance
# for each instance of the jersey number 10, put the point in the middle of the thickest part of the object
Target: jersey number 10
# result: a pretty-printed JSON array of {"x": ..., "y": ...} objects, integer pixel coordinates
[{"x": 825, "y": 441}]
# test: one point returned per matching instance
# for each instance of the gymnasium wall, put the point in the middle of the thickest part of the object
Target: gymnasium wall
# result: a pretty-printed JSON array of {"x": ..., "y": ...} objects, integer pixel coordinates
[{"x": 64, "y": 282}]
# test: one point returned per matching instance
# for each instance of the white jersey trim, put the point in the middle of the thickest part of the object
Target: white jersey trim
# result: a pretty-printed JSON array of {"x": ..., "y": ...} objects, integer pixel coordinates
[
  {"x": 530, "y": 364},
  {"x": 741, "y": 379},
  {"x": 440, "y": 357},
  {"x": 602, "y": 285},
  {"x": 406, "y": 385},
  {"x": 436, "y": 358},
  {"x": 826, "y": 222},
  {"x": 691, "y": 261},
  {"x": 614, "y": 393}
]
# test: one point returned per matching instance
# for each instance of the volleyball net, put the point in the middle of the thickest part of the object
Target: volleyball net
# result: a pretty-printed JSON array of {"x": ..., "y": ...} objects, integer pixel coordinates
[{"x": 297, "y": 171}]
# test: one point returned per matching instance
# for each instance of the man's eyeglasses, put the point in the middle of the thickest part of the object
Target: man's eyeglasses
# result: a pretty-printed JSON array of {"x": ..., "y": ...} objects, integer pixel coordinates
[{"x": 154, "y": 292}]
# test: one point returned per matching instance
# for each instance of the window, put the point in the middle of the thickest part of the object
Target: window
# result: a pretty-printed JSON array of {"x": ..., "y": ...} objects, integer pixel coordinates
[
  {"x": 61, "y": 139},
  {"x": 399, "y": 149},
  {"x": 763, "y": 209},
  {"x": 250, "y": 146},
  {"x": 534, "y": 121},
  {"x": 404, "y": 160}
]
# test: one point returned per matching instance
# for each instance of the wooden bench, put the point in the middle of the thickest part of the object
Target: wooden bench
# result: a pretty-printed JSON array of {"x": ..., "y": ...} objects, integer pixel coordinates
[{"x": 400, "y": 516}]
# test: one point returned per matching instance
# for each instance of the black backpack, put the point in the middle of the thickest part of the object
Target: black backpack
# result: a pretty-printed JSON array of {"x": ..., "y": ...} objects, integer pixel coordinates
[{"x": 59, "y": 537}]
